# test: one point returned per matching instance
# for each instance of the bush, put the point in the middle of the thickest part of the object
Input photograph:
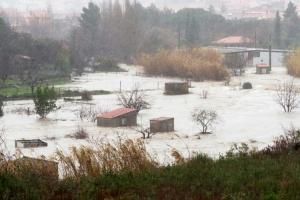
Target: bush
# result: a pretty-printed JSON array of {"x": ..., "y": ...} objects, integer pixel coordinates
[
  {"x": 247, "y": 86},
  {"x": 107, "y": 65},
  {"x": 80, "y": 134},
  {"x": 1, "y": 108},
  {"x": 45, "y": 101},
  {"x": 198, "y": 64},
  {"x": 293, "y": 64},
  {"x": 86, "y": 96}
]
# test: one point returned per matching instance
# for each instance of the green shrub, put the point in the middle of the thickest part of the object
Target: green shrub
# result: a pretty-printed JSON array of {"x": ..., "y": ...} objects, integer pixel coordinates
[
  {"x": 45, "y": 100},
  {"x": 247, "y": 86}
]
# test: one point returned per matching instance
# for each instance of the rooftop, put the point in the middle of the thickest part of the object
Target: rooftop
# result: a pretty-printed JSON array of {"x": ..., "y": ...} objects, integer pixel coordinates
[
  {"x": 117, "y": 113},
  {"x": 162, "y": 119},
  {"x": 233, "y": 40}
]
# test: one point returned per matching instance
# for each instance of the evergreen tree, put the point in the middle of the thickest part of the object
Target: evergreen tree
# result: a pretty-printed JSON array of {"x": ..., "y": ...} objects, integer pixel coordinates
[
  {"x": 192, "y": 31},
  {"x": 277, "y": 31},
  {"x": 90, "y": 23},
  {"x": 292, "y": 27},
  {"x": 45, "y": 100}
]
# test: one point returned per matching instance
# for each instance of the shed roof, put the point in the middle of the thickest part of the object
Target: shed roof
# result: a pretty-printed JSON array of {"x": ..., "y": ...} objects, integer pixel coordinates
[
  {"x": 262, "y": 65},
  {"x": 162, "y": 119},
  {"x": 117, "y": 113},
  {"x": 233, "y": 40}
]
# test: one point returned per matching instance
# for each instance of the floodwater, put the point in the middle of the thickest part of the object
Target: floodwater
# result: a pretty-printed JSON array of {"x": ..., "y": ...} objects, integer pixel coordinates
[{"x": 251, "y": 116}]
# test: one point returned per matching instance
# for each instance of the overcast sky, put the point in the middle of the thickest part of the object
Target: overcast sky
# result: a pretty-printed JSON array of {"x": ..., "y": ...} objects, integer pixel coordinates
[{"x": 76, "y": 5}]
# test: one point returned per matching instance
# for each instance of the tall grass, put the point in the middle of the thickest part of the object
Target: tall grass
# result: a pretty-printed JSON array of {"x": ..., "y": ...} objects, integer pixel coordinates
[
  {"x": 293, "y": 63},
  {"x": 129, "y": 155},
  {"x": 198, "y": 64}
]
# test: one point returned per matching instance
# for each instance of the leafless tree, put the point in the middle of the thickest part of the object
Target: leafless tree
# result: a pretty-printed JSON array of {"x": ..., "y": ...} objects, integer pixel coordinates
[
  {"x": 146, "y": 134},
  {"x": 287, "y": 96},
  {"x": 89, "y": 113},
  {"x": 204, "y": 94},
  {"x": 205, "y": 118},
  {"x": 135, "y": 98}
]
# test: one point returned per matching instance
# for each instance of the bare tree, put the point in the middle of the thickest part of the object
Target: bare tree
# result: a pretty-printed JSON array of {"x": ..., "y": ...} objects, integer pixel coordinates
[
  {"x": 146, "y": 134},
  {"x": 135, "y": 98},
  {"x": 287, "y": 95},
  {"x": 204, "y": 94},
  {"x": 205, "y": 118}
]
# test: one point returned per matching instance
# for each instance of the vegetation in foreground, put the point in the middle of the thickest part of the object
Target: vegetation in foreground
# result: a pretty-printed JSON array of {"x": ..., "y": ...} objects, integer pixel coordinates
[
  {"x": 198, "y": 64},
  {"x": 126, "y": 171},
  {"x": 293, "y": 64}
]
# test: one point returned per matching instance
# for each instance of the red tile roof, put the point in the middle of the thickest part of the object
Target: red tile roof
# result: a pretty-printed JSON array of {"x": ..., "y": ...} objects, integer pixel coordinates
[
  {"x": 117, "y": 113},
  {"x": 262, "y": 65}
]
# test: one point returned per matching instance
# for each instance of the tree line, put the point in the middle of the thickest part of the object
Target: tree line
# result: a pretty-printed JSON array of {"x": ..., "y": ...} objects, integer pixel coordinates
[
  {"x": 121, "y": 31},
  {"x": 29, "y": 60}
]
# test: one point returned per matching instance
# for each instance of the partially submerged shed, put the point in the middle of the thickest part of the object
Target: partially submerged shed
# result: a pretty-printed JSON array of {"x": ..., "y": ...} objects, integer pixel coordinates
[
  {"x": 176, "y": 88},
  {"x": 118, "y": 118},
  {"x": 162, "y": 124},
  {"x": 30, "y": 143},
  {"x": 263, "y": 69}
]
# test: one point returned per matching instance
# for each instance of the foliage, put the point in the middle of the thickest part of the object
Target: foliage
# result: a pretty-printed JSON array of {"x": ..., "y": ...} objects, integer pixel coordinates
[
  {"x": 293, "y": 63},
  {"x": 86, "y": 96},
  {"x": 104, "y": 158},
  {"x": 287, "y": 96},
  {"x": 1, "y": 107},
  {"x": 79, "y": 134},
  {"x": 45, "y": 100},
  {"x": 198, "y": 64},
  {"x": 205, "y": 118},
  {"x": 125, "y": 171},
  {"x": 247, "y": 86}
]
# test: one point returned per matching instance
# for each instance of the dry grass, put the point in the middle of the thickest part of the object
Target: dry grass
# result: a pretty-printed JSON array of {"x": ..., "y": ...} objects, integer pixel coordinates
[
  {"x": 293, "y": 64},
  {"x": 199, "y": 64},
  {"x": 104, "y": 158}
]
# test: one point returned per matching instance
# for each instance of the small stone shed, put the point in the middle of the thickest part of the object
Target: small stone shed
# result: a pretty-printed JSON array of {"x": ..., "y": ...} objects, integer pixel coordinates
[
  {"x": 176, "y": 88},
  {"x": 263, "y": 69},
  {"x": 118, "y": 118},
  {"x": 162, "y": 124},
  {"x": 30, "y": 143},
  {"x": 44, "y": 168}
]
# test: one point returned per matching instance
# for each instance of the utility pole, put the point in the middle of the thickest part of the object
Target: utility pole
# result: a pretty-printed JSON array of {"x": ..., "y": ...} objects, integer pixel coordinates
[{"x": 270, "y": 53}]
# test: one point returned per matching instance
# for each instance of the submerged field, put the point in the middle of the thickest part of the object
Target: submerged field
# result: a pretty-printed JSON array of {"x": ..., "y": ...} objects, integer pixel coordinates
[{"x": 245, "y": 116}]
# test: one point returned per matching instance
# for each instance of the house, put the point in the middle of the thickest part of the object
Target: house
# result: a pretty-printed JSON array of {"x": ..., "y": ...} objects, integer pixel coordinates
[
  {"x": 263, "y": 69},
  {"x": 162, "y": 124},
  {"x": 175, "y": 88},
  {"x": 118, "y": 118},
  {"x": 234, "y": 41},
  {"x": 30, "y": 143},
  {"x": 43, "y": 168}
]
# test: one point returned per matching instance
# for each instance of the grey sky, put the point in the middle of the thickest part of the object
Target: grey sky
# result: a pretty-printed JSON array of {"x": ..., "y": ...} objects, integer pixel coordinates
[{"x": 76, "y": 5}]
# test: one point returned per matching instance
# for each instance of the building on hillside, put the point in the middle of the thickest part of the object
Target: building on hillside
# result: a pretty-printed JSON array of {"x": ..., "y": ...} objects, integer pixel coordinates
[
  {"x": 161, "y": 125},
  {"x": 118, "y": 118},
  {"x": 35, "y": 143},
  {"x": 263, "y": 69},
  {"x": 234, "y": 41},
  {"x": 176, "y": 88}
]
